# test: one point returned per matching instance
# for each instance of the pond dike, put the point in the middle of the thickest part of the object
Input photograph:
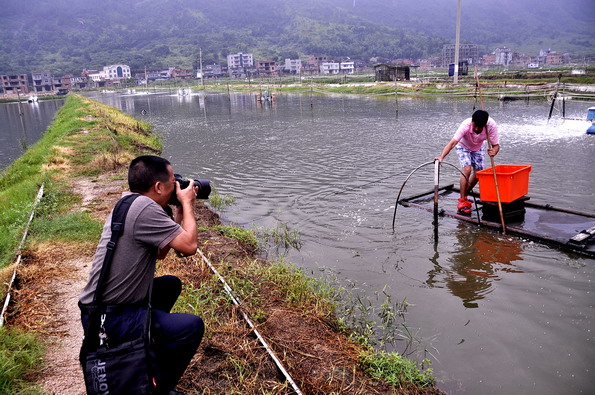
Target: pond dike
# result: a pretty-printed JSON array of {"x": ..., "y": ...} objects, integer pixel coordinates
[{"x": 82, "y": 162}]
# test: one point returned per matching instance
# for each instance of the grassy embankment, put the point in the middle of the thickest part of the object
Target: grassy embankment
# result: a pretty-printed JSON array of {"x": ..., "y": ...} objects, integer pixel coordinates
[
  {"x": 82, "y": 133},
  {"x": 298, "y": 314}
]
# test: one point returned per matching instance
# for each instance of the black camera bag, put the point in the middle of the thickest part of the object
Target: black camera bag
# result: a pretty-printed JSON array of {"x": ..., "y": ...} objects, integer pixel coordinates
[{"x": 126, "y": 368}]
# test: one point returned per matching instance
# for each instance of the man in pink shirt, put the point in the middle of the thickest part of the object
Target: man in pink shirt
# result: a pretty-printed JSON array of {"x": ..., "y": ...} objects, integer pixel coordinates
[{"x": 470, "y": 139}]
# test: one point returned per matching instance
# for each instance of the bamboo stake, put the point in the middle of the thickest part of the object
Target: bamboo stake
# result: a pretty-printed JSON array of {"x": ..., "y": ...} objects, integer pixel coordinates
[{"x": 491, "y": 158}]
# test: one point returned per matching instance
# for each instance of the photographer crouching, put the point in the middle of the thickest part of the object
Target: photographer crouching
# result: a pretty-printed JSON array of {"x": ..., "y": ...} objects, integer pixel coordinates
[{"x": 123, "y": 341}]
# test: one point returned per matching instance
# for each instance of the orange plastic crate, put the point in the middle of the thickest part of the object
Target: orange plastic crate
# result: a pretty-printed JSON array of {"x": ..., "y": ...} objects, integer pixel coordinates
[{"x": 513, "y": 182}]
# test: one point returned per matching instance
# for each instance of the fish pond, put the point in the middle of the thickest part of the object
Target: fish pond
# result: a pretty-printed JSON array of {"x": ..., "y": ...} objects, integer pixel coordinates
[{"x": 495, "y": 314}]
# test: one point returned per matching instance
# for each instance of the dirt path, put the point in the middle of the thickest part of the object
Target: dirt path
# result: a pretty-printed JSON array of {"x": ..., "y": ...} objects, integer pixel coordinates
[
  {"x": 63, "y": 374},
  {"x": 51, "y": 280}
]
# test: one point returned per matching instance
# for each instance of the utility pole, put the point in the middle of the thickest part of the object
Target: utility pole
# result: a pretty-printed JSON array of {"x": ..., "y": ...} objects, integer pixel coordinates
[
  {"x": 202, "y": 77},
  {"x": 457, "y": 40}
]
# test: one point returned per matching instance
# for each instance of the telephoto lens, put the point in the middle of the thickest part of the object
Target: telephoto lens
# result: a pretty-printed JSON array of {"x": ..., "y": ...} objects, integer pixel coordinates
[{"x": 204, "y": 189}]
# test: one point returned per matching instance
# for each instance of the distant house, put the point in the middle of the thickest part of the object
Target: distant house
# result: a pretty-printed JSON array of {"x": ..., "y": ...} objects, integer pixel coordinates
[
  {"x": 212, "y": 71},
  {"x": 183, "y": 74},
  {"x": 330, "y": 68},
  {"x": 388, "y": 72},
  {"x": 117, "y": 72},
  {"x": 63, "y": 84},
  {"x": 488, "y": 59},
  {"x": 79, "y": 82},
  {"x": 266, "y": 68},
  {"x": 240, "y": 60},
  {"x": 43, "y": 81},
  {"x": 14, "y": 84},
  {"x": 554, "y": 58},
  {"x": 347, "y": 67},
  {"x": 293, "y": 66},
  {"x": 468, "y": 52},
  {"x": 503, "y": 56}
]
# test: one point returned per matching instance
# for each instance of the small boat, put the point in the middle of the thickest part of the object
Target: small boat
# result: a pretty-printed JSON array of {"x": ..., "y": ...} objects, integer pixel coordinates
[
  {"x": 567, "y": 229},
  {"x": 591, "y": 118},
  {"x": 32, "y": 99}
]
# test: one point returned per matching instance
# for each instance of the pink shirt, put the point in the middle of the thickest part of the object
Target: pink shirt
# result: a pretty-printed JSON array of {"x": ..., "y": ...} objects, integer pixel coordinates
[{"x": 474, "y": 142}]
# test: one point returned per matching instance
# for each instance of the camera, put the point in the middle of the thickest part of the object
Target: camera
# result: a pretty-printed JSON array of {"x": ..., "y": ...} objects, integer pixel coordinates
[{"x": 204, "y": 189}]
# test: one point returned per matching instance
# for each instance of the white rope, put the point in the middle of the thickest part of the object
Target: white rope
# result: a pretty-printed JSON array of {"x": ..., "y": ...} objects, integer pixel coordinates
[
  {"x": 260, "y": 338},
  {"x": 18, "y": 261}
]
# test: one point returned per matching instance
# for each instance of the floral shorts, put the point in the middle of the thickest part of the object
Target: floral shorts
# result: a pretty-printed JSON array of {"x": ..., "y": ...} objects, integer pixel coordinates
[{"x": 470, "y": 158}]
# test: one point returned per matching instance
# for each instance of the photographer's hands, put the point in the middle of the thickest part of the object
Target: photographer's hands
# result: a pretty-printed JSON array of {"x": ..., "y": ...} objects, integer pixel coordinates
[{"x": 186, "y": 242}]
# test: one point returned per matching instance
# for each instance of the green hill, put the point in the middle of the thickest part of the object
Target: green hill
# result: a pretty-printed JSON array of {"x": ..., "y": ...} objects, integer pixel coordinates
[{"x": 69, "y": 35}]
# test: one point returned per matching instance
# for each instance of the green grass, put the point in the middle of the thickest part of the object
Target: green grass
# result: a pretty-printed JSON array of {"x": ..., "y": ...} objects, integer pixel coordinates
[
  {"x": 394, "y": 369},
  {"x": 219, "y": 202},
  {"x": 20, "y": 356},
  {"x": 311, "y": 296},
  {"x": 280, "y": 237},
  {"x": 72, "y": 227},
  {"x": 205, "y": 301},
  {"x": 63, "y": 152},
  {"x": 245, "y": 236}
]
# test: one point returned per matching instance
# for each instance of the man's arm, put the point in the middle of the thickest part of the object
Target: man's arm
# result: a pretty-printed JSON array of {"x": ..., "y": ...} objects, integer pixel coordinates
[
  {"x": 186, "y": 242},
  {"x": 451, "y": 144},
  {"x": 494, "y": 150}
]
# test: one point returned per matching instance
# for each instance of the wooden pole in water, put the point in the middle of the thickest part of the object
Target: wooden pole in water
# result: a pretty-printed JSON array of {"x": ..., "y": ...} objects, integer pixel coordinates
[
  {"x": 436, "y": 183},
  {"x": 19, "y": 100},
  {"x": 491, "y": 158},
  {"x": 396, "y": 99},
  {"x": 554, "y": 98}
]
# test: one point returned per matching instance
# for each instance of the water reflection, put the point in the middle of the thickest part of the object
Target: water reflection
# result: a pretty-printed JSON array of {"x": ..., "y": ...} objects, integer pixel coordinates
[
  {"x": 474, "y": 266},
  {"x": 22, "y": 125}
]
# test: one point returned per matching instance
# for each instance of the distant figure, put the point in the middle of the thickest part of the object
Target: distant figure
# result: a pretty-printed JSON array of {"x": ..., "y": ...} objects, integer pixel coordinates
[{"x": 470, "y": 139}]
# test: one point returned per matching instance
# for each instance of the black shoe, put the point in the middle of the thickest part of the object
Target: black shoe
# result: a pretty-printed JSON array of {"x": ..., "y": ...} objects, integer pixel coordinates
[{"x": 173, "y": 392}]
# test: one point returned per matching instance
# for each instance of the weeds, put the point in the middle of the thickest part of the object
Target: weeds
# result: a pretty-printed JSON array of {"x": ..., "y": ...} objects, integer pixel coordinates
[
  {"x": 244, "y": 236},
  {"x": 394, "y": 369},
  {"x": 281, "y": 236},
  {"x": 219, "y": 202},
  {"x": 20, "y": 356}
]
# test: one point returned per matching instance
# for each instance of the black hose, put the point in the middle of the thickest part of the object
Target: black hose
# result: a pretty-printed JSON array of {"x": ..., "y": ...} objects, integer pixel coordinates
[
  {"x": 403, "y": 186},
  {"x": 419, "y": 167}
]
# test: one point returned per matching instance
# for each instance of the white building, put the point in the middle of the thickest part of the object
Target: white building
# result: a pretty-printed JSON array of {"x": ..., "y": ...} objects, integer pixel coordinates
[
  {"x": 97, "y": 76},
  {"x": 117, "y": 72},
  {"x": 330, "y": 68},
  {"x": 347, "y": 67},
  {"x": 293, "y": 66},
  {"x": 240, "y": 60},
  {"x": 503, "y": 56},
  {"x": 114, "y": 72}
]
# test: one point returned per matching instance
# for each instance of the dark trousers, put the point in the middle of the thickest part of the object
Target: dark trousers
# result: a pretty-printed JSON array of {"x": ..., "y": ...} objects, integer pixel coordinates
[{"x": 177, "y": 336}]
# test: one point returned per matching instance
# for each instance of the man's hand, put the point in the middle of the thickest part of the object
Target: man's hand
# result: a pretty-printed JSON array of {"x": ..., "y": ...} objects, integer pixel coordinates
[
  {"x": 186, "y": 242},
  {"x": 186, "y": 195},
  {"x": 494, "y": 150}
]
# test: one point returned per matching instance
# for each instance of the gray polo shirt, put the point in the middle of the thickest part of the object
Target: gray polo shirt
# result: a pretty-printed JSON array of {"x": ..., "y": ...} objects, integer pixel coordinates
[{"x": 147, "y": 229}]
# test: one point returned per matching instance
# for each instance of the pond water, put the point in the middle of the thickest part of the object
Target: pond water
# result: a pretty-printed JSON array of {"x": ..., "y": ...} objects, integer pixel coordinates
[
  {"x": 497, "y": 314},
  {"x": 19, "y": 132}
]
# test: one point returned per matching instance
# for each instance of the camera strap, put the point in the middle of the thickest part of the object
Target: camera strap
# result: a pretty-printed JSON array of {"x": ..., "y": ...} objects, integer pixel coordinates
[{"x": 117, "y": 227}]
